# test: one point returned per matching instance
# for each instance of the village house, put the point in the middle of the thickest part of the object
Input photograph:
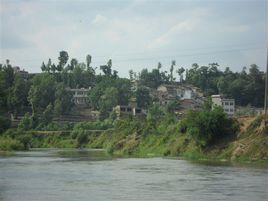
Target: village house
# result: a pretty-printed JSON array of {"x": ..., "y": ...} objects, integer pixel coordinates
[
  {"x": 80, "y": 96},
  {"x": 129, "y": 110},
  {"x": 24, "y": 74},
  {"x": 189, "y": 97},
  {"x": 227, "y": 104}
]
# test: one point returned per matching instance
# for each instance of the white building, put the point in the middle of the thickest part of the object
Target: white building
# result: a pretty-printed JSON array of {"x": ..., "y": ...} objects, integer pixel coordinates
[
  {"x": 228, "y": 105},
  {"x": 80, "y": 96}
]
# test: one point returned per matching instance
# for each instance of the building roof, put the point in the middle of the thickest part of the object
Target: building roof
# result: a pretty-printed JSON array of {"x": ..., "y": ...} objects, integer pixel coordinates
[
  {"x": 222, "y": 97},
  {"x": 79, "y": 89}
]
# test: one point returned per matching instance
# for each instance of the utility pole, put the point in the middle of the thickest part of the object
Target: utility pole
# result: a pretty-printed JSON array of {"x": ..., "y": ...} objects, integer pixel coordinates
[{"x": 266, "y": 88}]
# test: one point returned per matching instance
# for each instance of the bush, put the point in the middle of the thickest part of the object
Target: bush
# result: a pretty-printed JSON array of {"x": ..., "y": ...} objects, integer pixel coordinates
[
  {"x": 25, "y": 140},
  {"x": 13, "y": 133},
  {"x": 82, "y": 139},
  {"x": 207, "y": 126},
  {"x": 9, "y": 144},
  {"x": 4, "y": 124},
  {"x": 96, "y": 125},
  {"x": 26, "y": 123}
]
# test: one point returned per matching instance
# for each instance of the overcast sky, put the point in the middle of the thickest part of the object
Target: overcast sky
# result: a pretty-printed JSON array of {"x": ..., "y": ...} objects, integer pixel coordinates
[{"x": 135, "y": 34}]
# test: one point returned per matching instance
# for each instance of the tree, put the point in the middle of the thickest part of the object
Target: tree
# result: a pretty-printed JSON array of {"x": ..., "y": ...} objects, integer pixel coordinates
[
  {"x": 63, "y": 59},
  {"x": 73, "y": 64},
  {"x": 143, "y": 97},
  {"x": 108, "y": 100},
  {"x": 159, "y": 66},
  {"x": 131, "y": 75},
  {"x": 208, "y": 126},
  {"x": 43, "y": 67},
  {"x": 5, "y": 123},
  {"x": 107, "y": 69},
  {"x": 82, "y": 139},
  {"x": 26, "y": 122},
  {"x": 155, "y": 114},
  {"x": 17, "y": 98},
  {"x": 180, "y": 71},
  {"x": 88, "y": 60},
  {"x": 173, "y": 63},
  {"x": 63, "y": 102},
  {"x": 46, "y": 67},
  {"x": 42, "y": 92},
  {"x": 47, "y": 114}
]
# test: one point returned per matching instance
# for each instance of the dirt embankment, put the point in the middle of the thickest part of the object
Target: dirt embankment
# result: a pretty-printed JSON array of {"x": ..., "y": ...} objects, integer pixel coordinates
[{"x": 252, "y": 140}]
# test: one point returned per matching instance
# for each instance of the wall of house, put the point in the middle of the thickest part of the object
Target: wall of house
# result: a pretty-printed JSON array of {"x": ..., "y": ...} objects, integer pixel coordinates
[{"x": 228, "y": 106}]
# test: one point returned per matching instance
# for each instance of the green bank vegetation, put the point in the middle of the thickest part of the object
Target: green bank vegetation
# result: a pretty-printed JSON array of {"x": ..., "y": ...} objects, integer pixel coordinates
[{"x": 201, "y": 135}]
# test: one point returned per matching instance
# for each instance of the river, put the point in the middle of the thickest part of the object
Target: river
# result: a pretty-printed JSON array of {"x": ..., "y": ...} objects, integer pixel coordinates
[{"x": 70, "y": 175}]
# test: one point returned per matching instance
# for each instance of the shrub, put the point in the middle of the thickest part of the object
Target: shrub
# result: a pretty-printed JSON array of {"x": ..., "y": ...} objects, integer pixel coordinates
[
  {"x": 96, "y": 125},
  {"x": 207, "y": 126},
  {"x": 9, "y": 144},
  {"x": 82, "y": 139},
  {"x": 25, "y": 140},
  {"x": 26, "y": 123},
  {"x": 4, "y": 124}
]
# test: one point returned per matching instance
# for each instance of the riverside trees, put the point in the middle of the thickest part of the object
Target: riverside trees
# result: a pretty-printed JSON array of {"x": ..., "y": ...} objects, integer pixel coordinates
[{"x": 49, "y": 87}]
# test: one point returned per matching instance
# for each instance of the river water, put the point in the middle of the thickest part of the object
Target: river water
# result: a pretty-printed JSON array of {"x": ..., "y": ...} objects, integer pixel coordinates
[{"x": 69, "y": 175}]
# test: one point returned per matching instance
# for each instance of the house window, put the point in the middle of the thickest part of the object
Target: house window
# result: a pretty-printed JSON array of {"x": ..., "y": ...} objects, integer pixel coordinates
[
  {"x": 231, "y": 103},
  {"x": 231, "y": 110},
  {"x": 226, "y": 110},
  {"x": 226, "y": 103},
  {"x": 138, "y": 110},
  {"x": 129, "y": 109}
]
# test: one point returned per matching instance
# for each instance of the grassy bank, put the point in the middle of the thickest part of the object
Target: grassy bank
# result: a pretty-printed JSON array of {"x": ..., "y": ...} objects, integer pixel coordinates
[
  {"x": 249, "y": 144},
  {"x": 145, "y": 138}
]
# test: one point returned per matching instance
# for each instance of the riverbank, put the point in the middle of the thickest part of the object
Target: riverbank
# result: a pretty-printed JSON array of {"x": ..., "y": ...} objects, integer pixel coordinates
[
  {"x": 248, "y": 145},
  {"x": 132, "y": 137}
]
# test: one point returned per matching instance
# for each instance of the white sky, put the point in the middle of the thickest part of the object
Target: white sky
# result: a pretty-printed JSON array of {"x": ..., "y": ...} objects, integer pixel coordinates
[{"x": 135, "y": 34}]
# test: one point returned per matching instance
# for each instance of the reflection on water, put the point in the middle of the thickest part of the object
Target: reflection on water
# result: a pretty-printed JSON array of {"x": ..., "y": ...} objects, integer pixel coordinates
[{"x": 56, "y": 175}]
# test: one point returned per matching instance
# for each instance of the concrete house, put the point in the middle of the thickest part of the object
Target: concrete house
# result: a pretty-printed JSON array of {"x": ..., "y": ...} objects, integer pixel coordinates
[
  {"x": 24, "y": 74},
  {"x": 227, "y": 104},
  {"x": 189, "y": 97},
  {"x": 80, "y": 96},
  {"x": 129, "y": 110}
]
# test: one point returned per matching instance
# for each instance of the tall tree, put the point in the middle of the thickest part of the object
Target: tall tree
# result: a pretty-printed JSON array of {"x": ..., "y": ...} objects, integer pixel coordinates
[
  {"x": 63, "y": 59},
  {"x": 173, "y": 63},
  {"x": 180, "y": 71}
]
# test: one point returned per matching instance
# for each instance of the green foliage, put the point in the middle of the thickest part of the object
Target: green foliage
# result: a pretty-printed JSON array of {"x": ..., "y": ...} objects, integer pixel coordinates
[
  {"x": 143, "y": 97},
  {"x": 108, "y": 100},
  {"x": 172, "y": 106},
  {"x": 82, "y": 139},
  {"x": 245, "y": 87},
  {"x": 63, "y": 58},
  {"x": 26, "y": 122},
  {"x": 95, "y": 125},
  {"x": 63, "y": 102},
  {"x": 9, "y": 144},
  {"x": 47, "y": 114},
  {"x": 117, "y": 89},
  {"x": 42, "y": 92},
  {"x": 17, "y": 98},
  {"x": 5, "y": 123},
  {"x": 155, "y": 114},
  {"x": 208, "y": 126},
  {"x": 25, "y": 140},
  {"x": 152, "y": 79}
]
